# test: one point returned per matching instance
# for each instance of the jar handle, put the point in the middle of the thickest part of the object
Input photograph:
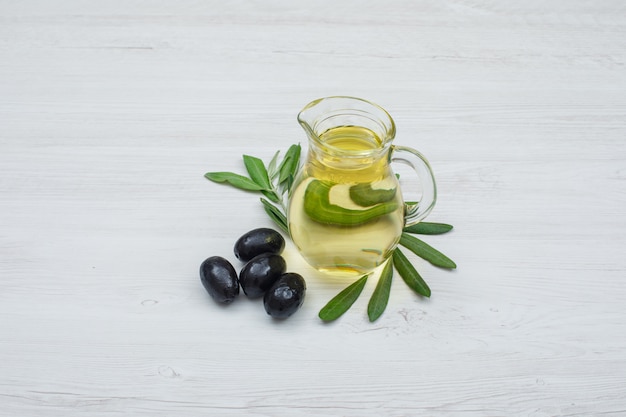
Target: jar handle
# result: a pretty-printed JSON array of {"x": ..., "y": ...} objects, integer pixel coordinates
[{"x": 415, "y": 212}]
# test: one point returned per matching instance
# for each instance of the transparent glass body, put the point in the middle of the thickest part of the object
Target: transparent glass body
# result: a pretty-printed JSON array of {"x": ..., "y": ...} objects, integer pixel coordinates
[{"x": 346, "y": 212}]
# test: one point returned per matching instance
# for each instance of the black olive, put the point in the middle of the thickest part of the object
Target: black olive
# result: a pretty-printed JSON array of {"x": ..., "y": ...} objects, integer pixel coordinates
[
  {"x": 259, "y": 241},
  {"x": 258, "y": 275},
  {"x": 219, "y": 279},
  {"x": 286, "y": 296}
]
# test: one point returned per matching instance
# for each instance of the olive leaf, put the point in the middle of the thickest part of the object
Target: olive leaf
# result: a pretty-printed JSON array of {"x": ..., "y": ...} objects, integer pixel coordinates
[
  {"x": 426, "y": 228},
  {"x": 276, "y": 215},
  {"x": 290, "y": 163},
  {"x": 236, "y": 180},
  {"x": 256, "y": 170},
  {"x": 408, "y": 273},
  {"x": 380, "y": 296},
  {"x": 258, "y": 173},
  {"x": 425, "y": 251},
  {"x": 272, "y": 172},
  {"x": 343, "y": 301}
]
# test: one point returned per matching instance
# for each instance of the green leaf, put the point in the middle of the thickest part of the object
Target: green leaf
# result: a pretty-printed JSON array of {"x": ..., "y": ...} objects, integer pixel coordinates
[
  {"x": 425, "y": 228},
  {"x": 283, "y": 169},
  {"x": 271, "y": 168},
  {"x": 236, "y": 180},
  {"x": 289, "y": 183},
  {"x": 271, "y": 195},
  {"x": 409, "y": 274},
  {"x": 424, "y": 250},
  {"x": 290, "y": 163},
  {"x": 257, "y": 172},
  {"x": 343, "y": 301},
  {"x": 276, "y": 215},
  {"x": 380, "y": 297}
]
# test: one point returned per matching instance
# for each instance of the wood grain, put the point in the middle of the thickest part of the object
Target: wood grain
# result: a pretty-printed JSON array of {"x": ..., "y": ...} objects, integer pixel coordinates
[{"x": 111, "y": 112}]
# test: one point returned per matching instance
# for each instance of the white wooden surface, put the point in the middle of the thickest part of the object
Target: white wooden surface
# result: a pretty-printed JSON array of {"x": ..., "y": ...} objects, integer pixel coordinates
[{"x": 111, "y": 112}]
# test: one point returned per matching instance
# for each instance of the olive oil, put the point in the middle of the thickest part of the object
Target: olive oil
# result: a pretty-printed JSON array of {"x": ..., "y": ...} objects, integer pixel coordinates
[{"x": 346, "y": 212}]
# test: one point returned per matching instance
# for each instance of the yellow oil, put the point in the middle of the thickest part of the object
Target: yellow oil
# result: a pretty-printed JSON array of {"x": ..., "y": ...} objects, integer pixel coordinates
[{"x": 344, "y": 157}]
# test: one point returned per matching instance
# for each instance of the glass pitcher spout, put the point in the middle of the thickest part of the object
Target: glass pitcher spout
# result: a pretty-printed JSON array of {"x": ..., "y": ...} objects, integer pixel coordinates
[{"x": 322, "y": 115}]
